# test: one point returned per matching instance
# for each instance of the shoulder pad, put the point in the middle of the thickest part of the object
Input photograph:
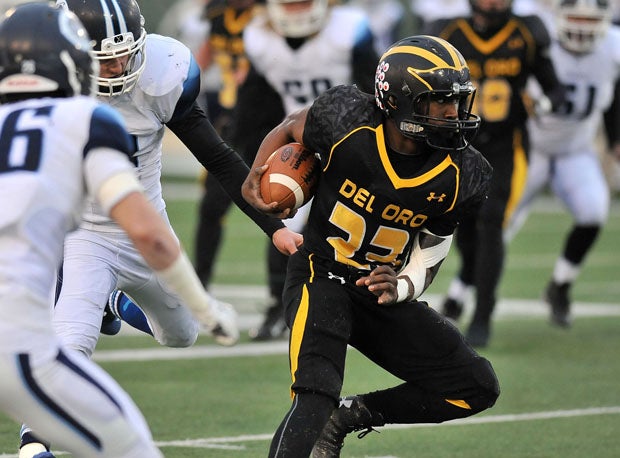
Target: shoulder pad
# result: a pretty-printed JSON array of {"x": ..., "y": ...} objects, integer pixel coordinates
[
  {"x": 537, "y": 28},
  {"x": 167, "y": 65},
  {"x": 613, "y": 37},
  {"x": 256, "y": 36},
  {"x": 437, "y": 26},
  {"x": 345, "y": 25}
]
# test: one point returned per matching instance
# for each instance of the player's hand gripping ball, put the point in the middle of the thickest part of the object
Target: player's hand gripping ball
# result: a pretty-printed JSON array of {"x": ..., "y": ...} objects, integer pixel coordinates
[{"x": 291, "y": 178}]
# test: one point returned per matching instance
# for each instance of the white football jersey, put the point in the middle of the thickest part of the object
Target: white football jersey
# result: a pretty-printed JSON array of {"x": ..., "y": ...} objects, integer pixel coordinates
[
  {"x": 323, "y": 61},
  {"x": 145, "y": 110},
  {"x": 589, "y": 79},
  {"x": 53, "y": 153}
]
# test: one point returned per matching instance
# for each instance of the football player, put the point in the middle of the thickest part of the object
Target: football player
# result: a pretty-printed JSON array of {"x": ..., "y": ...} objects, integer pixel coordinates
[
  {"x": 58, "y": 145},
  {"x": 296, "y": 50},
  {"x": 503, "y": 51},
  {"x": 223, "y": 49},
  {"x": 153, "y": 81},
  {"x": 564, "y": 143},
  {"x": 398, "y": 173}
]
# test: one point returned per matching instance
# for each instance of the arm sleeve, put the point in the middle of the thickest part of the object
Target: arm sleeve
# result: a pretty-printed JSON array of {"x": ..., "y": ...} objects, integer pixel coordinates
[
  {"x": 612, "y": 118},
  {"x": 542, "y": 66},
  {"x": 200, "y": 137}
]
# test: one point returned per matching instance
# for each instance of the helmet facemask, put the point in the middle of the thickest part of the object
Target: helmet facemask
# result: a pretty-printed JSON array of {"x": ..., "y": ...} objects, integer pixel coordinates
[
  {"x": 582, "y": 23},
  {"x": 444, "y": 133},
  {"x": 297, "y": 23},
  {"x": 120, "y": 45}
]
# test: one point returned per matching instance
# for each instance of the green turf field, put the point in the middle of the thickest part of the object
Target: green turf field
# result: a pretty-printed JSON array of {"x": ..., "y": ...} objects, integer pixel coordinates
[{"x": 560, "y": 389}]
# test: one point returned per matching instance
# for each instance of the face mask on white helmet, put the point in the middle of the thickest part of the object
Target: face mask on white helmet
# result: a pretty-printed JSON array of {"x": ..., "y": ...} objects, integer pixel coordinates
[
  {"x": 297, "y": 18},
  {"x": 582, "y": 23}
]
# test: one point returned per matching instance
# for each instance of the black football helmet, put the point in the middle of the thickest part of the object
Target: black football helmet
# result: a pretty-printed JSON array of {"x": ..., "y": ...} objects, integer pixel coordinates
[
  {"x": 117, "y": 28},
  {"x": 419, "y": 69},
  {"x": 44, "y": 52}
]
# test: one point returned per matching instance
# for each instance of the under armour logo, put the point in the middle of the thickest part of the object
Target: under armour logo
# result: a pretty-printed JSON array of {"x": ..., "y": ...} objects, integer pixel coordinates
[
  {"x": 331, "y": 276},
  {"x": 432, "y": 196}
]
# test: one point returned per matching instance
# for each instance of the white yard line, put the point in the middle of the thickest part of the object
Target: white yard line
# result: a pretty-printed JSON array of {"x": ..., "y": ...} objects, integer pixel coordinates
[
  {"x": 241, "y": 294},
  {"x": 506, "y": 308},
  {"x": 228, "y": 443}
]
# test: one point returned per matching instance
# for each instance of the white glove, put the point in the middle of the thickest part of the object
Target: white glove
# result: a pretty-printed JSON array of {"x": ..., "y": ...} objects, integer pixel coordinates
[
  {"x": 222, "y": 322},
  {"x": 219, "y": 318},
  {"x": 542, "y": 106}
]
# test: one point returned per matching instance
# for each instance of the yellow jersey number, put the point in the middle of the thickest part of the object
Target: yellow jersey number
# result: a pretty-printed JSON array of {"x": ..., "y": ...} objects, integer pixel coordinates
[{"x": 390, "y": 239}]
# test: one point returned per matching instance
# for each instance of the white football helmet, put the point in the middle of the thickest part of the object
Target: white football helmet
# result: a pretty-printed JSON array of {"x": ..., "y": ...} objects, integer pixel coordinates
[
  {"x": 117, "y": 29},
  {"x": 582, "y": 23},
  {"x": 302, "y": 20}
]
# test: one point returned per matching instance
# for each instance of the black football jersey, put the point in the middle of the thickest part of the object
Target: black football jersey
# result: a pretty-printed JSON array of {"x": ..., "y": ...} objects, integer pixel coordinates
[
  {"x": 371, "y": 201},
  {"x": 500, "y": 62},
  {"x": 226, "y": 42}
]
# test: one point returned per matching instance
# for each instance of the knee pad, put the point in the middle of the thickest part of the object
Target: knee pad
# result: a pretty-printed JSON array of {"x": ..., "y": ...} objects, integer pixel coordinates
[
  {"x": 489, "y": 385},
  {"x": 178, "y": 340}
]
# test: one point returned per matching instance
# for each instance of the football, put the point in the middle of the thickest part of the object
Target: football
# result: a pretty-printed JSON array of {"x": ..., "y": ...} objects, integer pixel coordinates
[{"x": 291, "y": 178}]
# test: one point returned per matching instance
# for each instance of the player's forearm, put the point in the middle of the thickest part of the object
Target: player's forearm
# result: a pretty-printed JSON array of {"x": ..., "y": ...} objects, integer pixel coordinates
[
  {"x": 612, "y": 122},
  {"x": 289, "y": 130},
  {"x": 428, "y": 252},
  {"x": 223, "y": 162}
]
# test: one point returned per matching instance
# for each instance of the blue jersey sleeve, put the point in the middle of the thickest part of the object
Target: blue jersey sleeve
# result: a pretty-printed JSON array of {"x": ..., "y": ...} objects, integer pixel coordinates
[
  {"x": 107, "y": 130},
  {"x": 191, "y": 89}
]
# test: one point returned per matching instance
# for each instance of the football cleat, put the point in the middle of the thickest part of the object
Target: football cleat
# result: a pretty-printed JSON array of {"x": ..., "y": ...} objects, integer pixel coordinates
[
  {"x": 30, "y": 446},
  {"x": 556, "y": 295},
  {"x": 272, "y": 327},
  {"x": 111, "y": 323},
  {"x": 34, "y": 450},
  {"x": 351, "y": 415}
]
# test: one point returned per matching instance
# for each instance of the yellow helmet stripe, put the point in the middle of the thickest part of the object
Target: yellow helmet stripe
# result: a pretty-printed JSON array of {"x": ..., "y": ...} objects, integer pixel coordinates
[
  {"x": 456, "y": 64},
  {"x": 433, "y": 58},
  {"x": 413, "y": 72}
]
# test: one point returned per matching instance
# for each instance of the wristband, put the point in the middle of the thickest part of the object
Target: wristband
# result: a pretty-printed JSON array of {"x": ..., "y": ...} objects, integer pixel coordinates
[
  {"x": 404, "y": 289},
  {"x": 117, "y": 187}
]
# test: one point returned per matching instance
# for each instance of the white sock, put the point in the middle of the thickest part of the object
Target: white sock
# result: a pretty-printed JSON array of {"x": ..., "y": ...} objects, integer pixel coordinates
[{"x": 565, "y": 271}]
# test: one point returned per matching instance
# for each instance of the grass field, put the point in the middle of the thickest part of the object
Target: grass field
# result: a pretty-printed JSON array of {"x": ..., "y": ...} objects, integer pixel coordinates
[{"x": 560, "y": 389}]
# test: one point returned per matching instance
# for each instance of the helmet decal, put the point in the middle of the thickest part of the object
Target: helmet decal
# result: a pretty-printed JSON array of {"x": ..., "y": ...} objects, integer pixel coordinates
[{"x": 382, "y": 85}]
